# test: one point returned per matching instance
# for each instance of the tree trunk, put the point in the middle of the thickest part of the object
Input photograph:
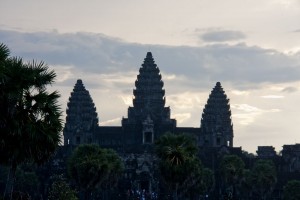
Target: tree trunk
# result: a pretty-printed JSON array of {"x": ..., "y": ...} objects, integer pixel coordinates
[{"x": 9, "y": 188}]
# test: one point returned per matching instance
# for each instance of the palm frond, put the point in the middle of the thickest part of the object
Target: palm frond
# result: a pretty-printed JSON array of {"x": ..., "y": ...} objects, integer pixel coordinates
[{"x": 4, "y": 52}]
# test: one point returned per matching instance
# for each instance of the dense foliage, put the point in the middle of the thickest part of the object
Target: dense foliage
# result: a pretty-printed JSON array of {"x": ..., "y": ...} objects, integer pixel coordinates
[
  {"x": 231, "y": 170},
  {"x": 92, "y": 167},
  {"x": 60, "y": 190},
  {"x": 292, "y": 190},
  {"x": 264, "y": 178},
  {"x": 179, "y": 166}
]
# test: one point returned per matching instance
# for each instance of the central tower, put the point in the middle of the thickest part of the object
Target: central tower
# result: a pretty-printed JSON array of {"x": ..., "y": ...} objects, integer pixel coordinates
[{"x": 148, "y": 118}]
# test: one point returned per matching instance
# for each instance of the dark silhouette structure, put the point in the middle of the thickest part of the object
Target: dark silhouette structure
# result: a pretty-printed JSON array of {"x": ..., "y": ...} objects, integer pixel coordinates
[
  {"x": 148, "y": 118},
  {"x": 81, "y": 121},
  {"x": 216, "y": 125}
]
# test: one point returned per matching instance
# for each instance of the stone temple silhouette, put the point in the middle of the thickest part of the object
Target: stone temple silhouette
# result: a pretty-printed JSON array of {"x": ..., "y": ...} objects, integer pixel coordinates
[
  {"x": 216, "y": 126},
  {"x": 148, "y": 118}
]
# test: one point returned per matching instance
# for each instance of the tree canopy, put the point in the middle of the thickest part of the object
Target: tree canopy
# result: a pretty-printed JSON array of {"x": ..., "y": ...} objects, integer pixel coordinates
[
  {"x": 179, "y": 166},
  {"x": 263, "y": 178},
  {"x": 60, "y": 190},
  {"x": 231, "y": 170},
  {"x": 91, "y": 167},
  {"x": 291, "y": 190}
]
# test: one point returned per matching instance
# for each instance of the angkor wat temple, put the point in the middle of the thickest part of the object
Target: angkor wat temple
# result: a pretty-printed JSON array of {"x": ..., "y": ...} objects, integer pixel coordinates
[{"x": 148, "y": 118}]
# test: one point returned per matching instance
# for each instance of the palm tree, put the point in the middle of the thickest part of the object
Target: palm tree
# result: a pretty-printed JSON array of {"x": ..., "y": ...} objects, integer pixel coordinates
[
  {"x": 30, "y": 120},
  {"x": 177, "y": 154}
]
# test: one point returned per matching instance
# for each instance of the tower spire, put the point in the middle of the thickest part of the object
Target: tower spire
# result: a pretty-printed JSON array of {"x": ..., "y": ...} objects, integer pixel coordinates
[
  {"x": 148, "y": 118},
  {"x": 216, "y": 125},
  {"x": 81, "y": 119},
  {"x": 149, "y": 95}
]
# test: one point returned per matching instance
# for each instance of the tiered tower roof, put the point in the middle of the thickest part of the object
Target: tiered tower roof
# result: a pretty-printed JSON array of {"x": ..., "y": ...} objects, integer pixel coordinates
[
  {"x": 81, "y": 119},
  {"x": 149, "y": 95},
  {"x": 216, "y": 119}
]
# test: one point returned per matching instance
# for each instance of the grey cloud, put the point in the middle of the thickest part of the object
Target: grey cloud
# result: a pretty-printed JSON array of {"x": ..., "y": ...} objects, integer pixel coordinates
[
  {"x": 90, "y": 52},
  {"x": 222, "y": 36},
  {"x": 199, "y": 67},
  {"x": 298, "y": 30},
  {"x": 241, "y": 65}
]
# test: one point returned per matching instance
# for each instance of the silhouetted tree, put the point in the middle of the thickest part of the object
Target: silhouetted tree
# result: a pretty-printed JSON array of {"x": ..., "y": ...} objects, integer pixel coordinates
[
  {"x": 60, "y": 190},
  {"x": 27, "y": 181},
  {"x": 30, "y": 121},
  {"x": 199, "y": 182},
  {"x": 246, "y": 185},
  {"x": 93, "y": 167},
  {"x": 264, "y": 178},
  {"x": 231, "y": 168},
  {"x": 291, "y": 190},
  {"x": 178, "y": 163}
]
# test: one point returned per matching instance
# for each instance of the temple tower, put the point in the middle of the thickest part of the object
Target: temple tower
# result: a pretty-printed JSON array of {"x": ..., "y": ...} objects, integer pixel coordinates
[
  {"x": 216, "y": 125},
  {"x": 148, "y": 118},
  {"x": 81, "y": 120}
]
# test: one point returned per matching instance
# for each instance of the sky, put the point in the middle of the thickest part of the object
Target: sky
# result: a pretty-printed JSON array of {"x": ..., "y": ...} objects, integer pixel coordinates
[{"x": 252, "y": 47}]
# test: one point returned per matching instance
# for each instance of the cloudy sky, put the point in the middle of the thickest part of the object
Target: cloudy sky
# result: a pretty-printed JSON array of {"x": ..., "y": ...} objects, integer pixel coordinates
[{"x": 252, "y": 47}]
